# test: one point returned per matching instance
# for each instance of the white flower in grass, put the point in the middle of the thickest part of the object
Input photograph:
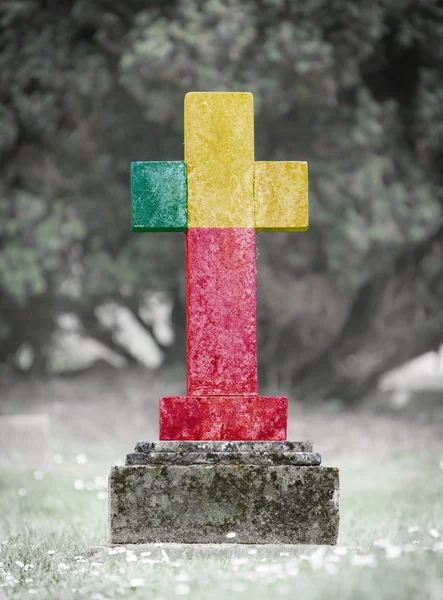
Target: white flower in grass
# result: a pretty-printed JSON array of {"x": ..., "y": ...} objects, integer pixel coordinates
[
  {"x": 50, "y": 552},
  {"x": 393, "y": 552},
  {"x": 79, "y": 484},
  {"x": 22, "y": 492},
  {"x": 273, "y": 568},
  {"x": 340, "y": 551},
  {"x": 39, "y": 475},
  {"x": 136, "y": 583},
  {"x": 32, "y": 591},
  {"x": 434, "y": 533},
  {"x": 182, "y": 589},
  {"x": 81, "y": 459},
  {"x": 20, "y": 564},
  {"x": 58, "y": 459},
  {"x": 413, "y": 529},
  {"x": 317, "y": 558},
  {"x": 364, "y": 560},
  {"x": 165, "y": 557},
  {"x": 131, "y": 558},
  {"x": 149, "y": 561},
  {"x": 29, "y": 580},
  {"x": 231, "y": 535}
]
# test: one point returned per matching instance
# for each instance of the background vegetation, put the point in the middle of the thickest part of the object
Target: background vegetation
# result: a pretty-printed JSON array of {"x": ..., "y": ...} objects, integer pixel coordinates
[{"x": 354, "y": 88}]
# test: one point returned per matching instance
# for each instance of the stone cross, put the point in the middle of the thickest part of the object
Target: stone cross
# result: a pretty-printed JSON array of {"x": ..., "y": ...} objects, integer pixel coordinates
[{"x": 219, "y": 196}]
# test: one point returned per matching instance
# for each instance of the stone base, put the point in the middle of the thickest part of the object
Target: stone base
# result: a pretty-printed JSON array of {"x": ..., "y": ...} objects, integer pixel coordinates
[
  {"x": 262, "y": 492},
  {"x": 223, "y": 417}
]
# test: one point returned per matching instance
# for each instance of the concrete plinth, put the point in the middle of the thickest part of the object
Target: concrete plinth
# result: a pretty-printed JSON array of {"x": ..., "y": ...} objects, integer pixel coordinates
[{"x": 189, "y": 492}]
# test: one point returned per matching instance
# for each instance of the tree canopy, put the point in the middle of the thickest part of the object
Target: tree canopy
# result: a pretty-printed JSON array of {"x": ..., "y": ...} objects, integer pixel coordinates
[{"x": 356, "y": 89}]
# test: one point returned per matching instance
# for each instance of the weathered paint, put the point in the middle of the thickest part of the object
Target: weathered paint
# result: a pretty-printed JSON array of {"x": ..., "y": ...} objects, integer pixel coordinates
[
  {"x": 223, "y": 418},
  {"x": 219, "y": 154},
  {"x": 221, "y": 312},
  {"x": 281, "y": 196},
  {"x": 159, "y": 196},
  {"x": 219, "y": 197}
]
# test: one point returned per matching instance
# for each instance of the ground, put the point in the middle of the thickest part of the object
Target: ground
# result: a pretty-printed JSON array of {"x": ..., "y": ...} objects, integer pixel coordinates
[{"x": 391, "y": 506}]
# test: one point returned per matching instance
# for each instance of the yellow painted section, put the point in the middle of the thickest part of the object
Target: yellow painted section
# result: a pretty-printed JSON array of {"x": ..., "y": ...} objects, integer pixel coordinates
[
  {"x": 219, "y": 155},
  {"x": 281, "y": 196}
]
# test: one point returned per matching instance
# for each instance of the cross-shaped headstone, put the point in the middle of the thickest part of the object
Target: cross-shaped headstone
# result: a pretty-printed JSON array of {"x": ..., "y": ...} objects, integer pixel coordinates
[{"x": 219, "y": 197}]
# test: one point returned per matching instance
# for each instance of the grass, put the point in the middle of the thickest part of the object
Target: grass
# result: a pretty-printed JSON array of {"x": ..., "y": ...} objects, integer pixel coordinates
[
  {"x": 391, "y": 471},
  {"x": 51, "y": 519}
]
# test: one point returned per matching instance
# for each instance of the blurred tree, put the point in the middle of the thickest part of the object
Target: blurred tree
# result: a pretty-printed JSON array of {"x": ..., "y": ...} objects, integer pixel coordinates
[{"x": 354, "y": 88}]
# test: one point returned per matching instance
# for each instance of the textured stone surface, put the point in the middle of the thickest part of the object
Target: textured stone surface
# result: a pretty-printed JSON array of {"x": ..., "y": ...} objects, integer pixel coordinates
[
  {"x": 223, "y": 418},
  {"x": 219, "y": 154},
  {"x": 212, "y": 458},
  {"x": 221, "y": 312},
  {"x": 202, "y": 504},
  {"x": 159, "y": 196},
  {"x": 281, "y": 196},
  {"x": 235, "y": 446}
]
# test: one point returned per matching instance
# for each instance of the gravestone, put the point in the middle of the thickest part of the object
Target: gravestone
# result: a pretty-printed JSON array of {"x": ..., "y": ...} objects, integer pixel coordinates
[{"x": 223, "y": 470}]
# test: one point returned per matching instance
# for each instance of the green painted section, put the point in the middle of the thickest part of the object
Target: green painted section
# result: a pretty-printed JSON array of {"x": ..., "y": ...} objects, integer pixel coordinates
[{"x": 159, "y": 196}]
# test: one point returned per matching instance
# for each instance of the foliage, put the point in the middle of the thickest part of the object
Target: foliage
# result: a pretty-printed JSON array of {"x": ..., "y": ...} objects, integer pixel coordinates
[{"x": 355, "y": 89}]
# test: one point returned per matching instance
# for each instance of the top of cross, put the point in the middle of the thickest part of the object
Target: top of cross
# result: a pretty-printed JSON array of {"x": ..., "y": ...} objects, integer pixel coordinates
[{"x": 219, "y": 185}]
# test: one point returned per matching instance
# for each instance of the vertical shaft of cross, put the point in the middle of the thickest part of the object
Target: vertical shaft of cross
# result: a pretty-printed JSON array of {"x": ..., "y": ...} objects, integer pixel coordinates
[{"x": 221, "y": 312}]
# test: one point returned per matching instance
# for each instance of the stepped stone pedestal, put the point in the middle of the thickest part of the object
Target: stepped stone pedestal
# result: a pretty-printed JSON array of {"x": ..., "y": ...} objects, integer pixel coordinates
[{"x": 199, "y": 492}]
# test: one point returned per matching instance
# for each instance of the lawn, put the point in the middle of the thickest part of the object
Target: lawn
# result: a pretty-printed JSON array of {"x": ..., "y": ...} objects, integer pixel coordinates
[{"x": 391, "y": 533}]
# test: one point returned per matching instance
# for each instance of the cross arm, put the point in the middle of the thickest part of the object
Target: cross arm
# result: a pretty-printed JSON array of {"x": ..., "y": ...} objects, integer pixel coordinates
[
  {"x": 281, "y": 196},
  {"x": 159, "y": 196}
]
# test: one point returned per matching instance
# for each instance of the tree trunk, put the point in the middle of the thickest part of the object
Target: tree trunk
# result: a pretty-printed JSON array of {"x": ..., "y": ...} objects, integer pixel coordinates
[{"x": 395, "y": 317}]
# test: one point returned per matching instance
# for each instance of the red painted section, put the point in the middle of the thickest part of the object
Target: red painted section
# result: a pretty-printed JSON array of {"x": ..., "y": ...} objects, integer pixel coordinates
[
  {"x": 223, "y": 418},
  {"x": 221, "y": 313}
]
